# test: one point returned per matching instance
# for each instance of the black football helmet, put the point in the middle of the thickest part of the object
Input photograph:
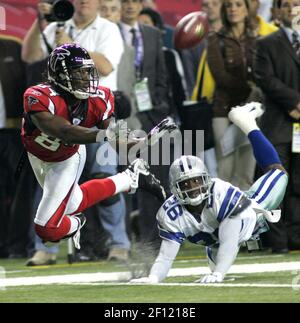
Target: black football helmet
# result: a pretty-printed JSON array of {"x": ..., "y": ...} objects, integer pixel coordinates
[{"x": 71, "y": 68}]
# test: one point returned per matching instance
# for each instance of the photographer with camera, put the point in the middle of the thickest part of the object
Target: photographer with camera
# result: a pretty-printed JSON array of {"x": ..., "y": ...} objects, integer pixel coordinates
[{"x": 102, "y": 39}]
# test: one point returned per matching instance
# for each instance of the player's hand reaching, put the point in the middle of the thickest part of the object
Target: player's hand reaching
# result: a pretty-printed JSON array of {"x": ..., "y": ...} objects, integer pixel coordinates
[
  {"x": 165, "y": 126},
  {"x": 211, "y": 278},
  {"x": 117, "y": 131}
]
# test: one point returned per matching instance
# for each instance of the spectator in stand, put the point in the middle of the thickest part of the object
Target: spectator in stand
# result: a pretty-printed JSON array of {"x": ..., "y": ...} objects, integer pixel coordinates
[
  {"x": 152, "y": 18},
  {"x": 275, "y": 20},
  {"x": 259, "y": 24},
  {"x": 149, "y": 4},
  {"x": 200, "y": 83},
  {"x": 229, "y": 57},
  {"x": 176, "y": 80},
  {"x": 264, "y": 9},
  {"x": 204, "y": 86},
  {"x": 149, "y": 72},
  {"x": 194, "y": 60},
  {"x": 168, "y": 31},
  {"x": 15, "y": 195},
  {"x": 111, "y": 10},
  {"x": 86, "y": 28}
]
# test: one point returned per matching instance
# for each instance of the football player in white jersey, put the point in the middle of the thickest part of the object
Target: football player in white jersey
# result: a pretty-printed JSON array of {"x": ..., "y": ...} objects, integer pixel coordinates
[{"x": 214, "y": 213}]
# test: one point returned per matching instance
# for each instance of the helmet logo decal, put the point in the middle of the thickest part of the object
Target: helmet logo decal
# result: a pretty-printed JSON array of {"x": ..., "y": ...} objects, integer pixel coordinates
[{"x": 61, "y": 56}]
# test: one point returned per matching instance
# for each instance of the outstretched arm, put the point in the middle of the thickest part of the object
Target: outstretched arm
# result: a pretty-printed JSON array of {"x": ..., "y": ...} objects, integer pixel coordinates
[
  {"x": 62, "y": 129},
  {"x": 118, "y": 134},
  {"x": 229, "y": 246},
  {"x": 163, "y": 263}
]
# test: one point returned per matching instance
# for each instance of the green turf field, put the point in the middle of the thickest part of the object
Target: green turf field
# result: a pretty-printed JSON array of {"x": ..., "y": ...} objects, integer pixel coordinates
[{"x": 280, "y": 286}]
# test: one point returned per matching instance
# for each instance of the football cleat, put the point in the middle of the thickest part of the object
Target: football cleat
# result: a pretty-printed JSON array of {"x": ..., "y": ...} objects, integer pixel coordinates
[
  {"x": 140, "y": 176},
  {"x": 243, "y": 113},
  {"x": 76, "y": 235},
  {"x": 137, "y": 167}
]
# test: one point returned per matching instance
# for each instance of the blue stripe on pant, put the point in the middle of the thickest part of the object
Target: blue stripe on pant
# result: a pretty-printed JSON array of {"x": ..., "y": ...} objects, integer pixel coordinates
[{"x": 269, "y": 189}]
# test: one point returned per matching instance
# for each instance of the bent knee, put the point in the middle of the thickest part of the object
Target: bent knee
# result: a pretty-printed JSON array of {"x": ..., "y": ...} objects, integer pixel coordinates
[
  {"x": 276, "y": 166},
  {"x": 48, "y": 233}
]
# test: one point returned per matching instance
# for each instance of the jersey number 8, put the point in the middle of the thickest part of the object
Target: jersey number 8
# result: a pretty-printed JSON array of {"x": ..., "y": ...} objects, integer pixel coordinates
[{"x": 47, "y": 142}]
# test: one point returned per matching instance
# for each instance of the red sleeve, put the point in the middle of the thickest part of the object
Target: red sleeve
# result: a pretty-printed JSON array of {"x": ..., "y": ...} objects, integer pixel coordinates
[{"x": 36, "y": 101}]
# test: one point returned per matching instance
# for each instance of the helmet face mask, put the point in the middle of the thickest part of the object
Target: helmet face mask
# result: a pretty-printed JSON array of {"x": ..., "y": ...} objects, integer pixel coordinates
[
  {"x": 189, "y": 180},
  {"x": 71, "y": 68}
]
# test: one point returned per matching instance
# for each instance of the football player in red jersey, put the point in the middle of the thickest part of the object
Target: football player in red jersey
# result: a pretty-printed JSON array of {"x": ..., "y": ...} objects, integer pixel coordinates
[{"x": 57, "y": 123}]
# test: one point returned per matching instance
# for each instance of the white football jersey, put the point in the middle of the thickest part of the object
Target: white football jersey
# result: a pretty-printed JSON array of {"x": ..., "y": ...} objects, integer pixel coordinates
[{"x": 176, "y": 223}]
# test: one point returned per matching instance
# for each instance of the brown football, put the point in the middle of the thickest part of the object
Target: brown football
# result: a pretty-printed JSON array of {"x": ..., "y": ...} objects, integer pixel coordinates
[{"x": 191, "y": 30}]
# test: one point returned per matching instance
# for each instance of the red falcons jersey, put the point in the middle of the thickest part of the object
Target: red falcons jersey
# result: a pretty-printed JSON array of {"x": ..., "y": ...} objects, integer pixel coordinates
[{"x": 43, "y": 98}]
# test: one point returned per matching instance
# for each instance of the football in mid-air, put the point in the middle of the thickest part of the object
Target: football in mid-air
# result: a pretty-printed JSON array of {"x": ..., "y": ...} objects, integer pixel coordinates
[{"x": 191, "y": 30}]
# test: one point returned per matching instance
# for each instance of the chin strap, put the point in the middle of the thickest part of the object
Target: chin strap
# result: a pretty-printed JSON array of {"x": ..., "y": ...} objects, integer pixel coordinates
[{"x": 78, "y": 94}]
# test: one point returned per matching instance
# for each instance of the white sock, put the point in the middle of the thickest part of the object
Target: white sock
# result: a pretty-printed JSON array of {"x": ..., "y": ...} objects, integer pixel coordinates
[
  {"x": 74, "y": 224},
  {"x": 122, "y": 182},
  {"x": 248, "y": 126}
]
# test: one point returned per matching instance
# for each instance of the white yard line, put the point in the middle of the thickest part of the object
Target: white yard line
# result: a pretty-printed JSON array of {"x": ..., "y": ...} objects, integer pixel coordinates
[
  {"x": 125, "y": 276},
  {"x": 239, "y": 269},
  {"x": 295, "y": 287},
  {"x": 240, "y": 258},
  {"x": 17, "y": 271}
]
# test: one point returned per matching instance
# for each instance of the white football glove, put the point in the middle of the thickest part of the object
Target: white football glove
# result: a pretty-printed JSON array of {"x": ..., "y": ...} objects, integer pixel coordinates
[
  {"x": 212, "y": 278},
  {"x": 165, "y": 126},
  {"x": 145, "y": 280}
]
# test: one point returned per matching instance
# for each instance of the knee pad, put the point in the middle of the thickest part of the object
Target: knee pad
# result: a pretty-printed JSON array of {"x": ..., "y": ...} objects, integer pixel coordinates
[{"x": 111, "y": 200}]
